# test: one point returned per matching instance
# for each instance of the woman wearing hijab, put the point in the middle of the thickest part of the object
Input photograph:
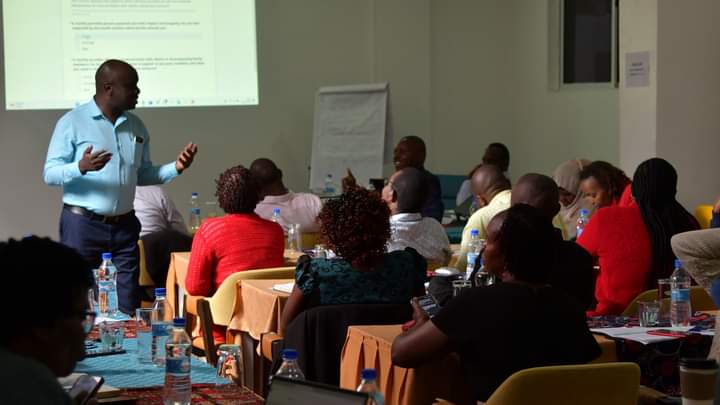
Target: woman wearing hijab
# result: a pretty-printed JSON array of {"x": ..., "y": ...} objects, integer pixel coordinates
[{"x": 572, "y": 199}]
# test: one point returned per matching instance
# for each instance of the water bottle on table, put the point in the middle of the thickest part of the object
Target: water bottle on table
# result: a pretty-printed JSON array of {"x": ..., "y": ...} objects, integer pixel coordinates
[
  {"x": 107, "y": 286},
  {"x": 194, "y": 222},
  {"x": 329, "y": 185},
  {"x": 160, "y": 326},
  {"x": 680, "y": 311},
  {"x": 289, "y": 367},
  {"x": 368, "y": 384},
  {"x": 276, "y": 216},
  {"x": 178, "y": 347},
  {"x": 582, "y": 221},
  {"x": 474, "y": 248}
]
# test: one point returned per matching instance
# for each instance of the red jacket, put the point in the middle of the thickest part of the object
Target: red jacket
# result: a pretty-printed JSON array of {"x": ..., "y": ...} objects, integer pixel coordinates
[{"x": 618, "y": 238}]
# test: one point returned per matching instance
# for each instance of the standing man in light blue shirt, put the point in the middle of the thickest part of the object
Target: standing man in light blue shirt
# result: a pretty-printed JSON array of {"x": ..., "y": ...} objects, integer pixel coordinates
[{"x": 98, "y": 153}]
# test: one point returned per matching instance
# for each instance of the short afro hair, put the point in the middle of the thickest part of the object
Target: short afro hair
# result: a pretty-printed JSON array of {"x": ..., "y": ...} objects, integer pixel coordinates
[{"x": 237, "y": 191}]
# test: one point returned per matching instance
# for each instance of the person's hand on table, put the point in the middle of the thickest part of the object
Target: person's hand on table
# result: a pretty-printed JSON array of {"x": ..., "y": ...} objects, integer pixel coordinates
[
  {"x": 91, "y": 162},
  {"x": 186, "y": 157},
  {"x": 231, "y": 370}
]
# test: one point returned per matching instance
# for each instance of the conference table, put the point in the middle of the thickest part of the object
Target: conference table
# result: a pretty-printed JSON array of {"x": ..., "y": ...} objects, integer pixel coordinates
[{"x": 370, "y": 347}]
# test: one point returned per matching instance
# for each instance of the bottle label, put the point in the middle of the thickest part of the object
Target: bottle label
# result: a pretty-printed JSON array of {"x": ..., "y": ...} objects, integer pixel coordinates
[
  {"x": 680, "y": 295},
  {"x": 177, "y": 365},
  {"x": 160, "y": 329}
]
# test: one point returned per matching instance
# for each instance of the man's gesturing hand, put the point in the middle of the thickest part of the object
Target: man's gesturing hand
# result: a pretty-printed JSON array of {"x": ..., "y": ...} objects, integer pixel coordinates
[{"x": 93, "y": 161}]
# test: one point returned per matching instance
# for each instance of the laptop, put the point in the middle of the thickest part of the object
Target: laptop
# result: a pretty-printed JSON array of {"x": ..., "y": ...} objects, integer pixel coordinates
[{"x": 285, "y": 391}]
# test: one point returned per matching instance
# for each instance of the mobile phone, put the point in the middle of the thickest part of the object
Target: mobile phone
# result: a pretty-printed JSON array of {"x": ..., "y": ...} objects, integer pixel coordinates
[
  {"x": 429, "y": 304},
  {"x": 85, "y": 387}
]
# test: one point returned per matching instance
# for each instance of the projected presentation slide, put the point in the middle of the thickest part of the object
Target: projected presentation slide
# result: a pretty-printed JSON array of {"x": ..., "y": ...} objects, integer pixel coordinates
[{"x": 187, "y": 52}]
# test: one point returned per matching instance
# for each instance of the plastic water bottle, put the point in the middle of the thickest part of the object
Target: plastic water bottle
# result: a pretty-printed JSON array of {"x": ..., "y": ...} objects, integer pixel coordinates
[
  {"x": 680, "y": 311},
  {"x": 160, "y": 326},
  {"x": 194, "y": 221},
  {"x": 482, "y": 277},
  {"x": 276, "y": 216},
  {"x": 329, "y": 186},
  {"x": 368, "y": 384},
  {"x": 177, "y": 365},
  {"x": 289, "y": 367},
  {"x": 582, "y": 221},
  {"x": 107, "y": 286},
  {"x": 474, "y": 247}
]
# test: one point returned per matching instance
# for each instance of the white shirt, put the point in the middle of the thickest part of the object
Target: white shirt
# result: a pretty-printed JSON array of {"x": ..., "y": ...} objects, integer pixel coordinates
[
  {"x": 295, "y": 208},
  {"x": 156, "y": 211},
  {"x": 425, "y": 235}
]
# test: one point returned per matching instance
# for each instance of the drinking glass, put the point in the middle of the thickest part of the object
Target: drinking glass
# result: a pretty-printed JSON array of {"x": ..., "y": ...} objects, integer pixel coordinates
[
  {"x": 229, "y": 364},
  {"x": 319, "y": 251},
  {"x": 112, "y": 335},
  {"x": 648, "y": 312},
  {"x": 459, "y": 285},
  {"x": 143, "y": 320},
  {"x": 293, "y": 237}
]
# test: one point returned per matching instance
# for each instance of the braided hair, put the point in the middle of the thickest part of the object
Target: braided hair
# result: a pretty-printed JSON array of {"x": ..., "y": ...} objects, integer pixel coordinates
[
  {"x": 356, "y": 226},
  {"x": 237, "y": 191},
  {"x": 654, "y": 187}
]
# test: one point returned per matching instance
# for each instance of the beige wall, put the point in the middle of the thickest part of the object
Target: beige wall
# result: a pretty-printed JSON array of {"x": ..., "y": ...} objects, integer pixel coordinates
[
  {"x": 463, "y": 73},
  {"x": 490, "y": 82}
]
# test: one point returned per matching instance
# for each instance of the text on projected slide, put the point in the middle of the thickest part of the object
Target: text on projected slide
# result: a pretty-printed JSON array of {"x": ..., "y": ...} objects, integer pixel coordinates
[{"x": 187, "y": 52}]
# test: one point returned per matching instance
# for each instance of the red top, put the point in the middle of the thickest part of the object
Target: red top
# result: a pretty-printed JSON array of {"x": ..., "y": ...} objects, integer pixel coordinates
[
  {"x": 229, "y": 244},
  {"x": 618, "y": 238},
  {"x": 626, "y": 198}
]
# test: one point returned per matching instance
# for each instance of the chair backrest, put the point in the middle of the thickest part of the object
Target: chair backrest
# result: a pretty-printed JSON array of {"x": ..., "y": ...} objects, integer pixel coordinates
[
  {"x": 145, "y": 280},
  {"x": 703, "y": 213},
  {"x": 449, "y": 187},
  {"x": 587, "y": 384},
  {"x": 700, "y": 300},
  {"x": 318, "y": 334},
  {"x": 308, "y": 240},
  {"x": 222, "y": 303}
]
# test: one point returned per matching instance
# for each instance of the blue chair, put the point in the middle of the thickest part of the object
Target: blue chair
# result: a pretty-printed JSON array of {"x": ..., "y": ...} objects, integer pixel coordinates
[{"x": 449, "y": 187}]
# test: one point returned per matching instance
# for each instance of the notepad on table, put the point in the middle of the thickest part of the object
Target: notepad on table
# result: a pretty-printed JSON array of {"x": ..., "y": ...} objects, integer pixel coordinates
[{"x": 285, "y": 287}]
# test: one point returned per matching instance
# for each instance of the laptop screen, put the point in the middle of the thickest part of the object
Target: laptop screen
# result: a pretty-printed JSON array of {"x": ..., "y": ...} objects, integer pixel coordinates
[{"x": 284, "y": 391}]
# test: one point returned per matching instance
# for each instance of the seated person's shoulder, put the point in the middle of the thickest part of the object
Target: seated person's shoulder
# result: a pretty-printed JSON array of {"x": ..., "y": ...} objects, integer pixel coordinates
[{"x": 24, "y": 380}]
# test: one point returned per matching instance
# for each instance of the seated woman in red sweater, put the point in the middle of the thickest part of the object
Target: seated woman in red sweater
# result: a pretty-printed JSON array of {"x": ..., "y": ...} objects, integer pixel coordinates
[
  {"x": 238, "y": 241},
  {"x": 605, "y": 185},
  {"x": 632, "y": 243}
]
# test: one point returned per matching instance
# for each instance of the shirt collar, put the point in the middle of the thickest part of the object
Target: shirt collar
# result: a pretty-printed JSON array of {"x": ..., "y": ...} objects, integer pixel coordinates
[
  {"x": 269, "y": 199},
  {"x": 500, "y": 197},
  {"x": 406, "y": 217},
  {"x": 96, "y": 112}
]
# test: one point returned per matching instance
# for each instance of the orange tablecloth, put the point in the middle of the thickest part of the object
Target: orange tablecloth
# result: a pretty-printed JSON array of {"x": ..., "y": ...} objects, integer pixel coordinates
[
  {"x": 369, "y": 347},
  {"x": 179, "y": 261},
  {"x": 258, "y": 307}
]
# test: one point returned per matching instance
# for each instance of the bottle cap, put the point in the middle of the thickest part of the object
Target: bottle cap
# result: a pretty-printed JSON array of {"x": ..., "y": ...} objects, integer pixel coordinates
[
  {"x": 289, "y": 354},
  {"x": 678, "y": 263},
  {"x": 368, "y": 374},
  {"x": 194, "y": 194},
  {"x": 179, "y": 322},
  {"x": 276, "y": 210},
  {"x": 584, "y": 211},
  {"x": 329, "y": 175},
  {"x": 160, "y": 292},
  {"x": 473, "y": 232},
  {"x": 107, "y": 256}
]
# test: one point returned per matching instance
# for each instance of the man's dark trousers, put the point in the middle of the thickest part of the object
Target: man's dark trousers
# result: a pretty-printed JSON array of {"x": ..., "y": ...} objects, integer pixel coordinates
[{"x": 91, "y": 238}]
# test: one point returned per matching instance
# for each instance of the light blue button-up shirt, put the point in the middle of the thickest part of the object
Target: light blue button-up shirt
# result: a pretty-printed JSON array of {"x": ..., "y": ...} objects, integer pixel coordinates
[{"x": 111, "y": 190}]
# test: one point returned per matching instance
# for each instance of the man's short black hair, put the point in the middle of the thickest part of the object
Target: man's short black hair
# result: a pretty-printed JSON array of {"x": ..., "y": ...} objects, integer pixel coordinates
[
  {"x": 411, "y": 190},
  {"x": 497, "y": 154},
  {"x": 42, "y": 280}
]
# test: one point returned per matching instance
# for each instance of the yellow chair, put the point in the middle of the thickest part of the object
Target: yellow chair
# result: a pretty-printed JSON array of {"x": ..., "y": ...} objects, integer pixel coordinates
[
  {"x": 145, "y": 280},
  {"x": 218, "y": 309},
  {"x": 700, "y": 300},
  {"x": 703, "y": 213},
  {"x": 309, "y": 239},
  {"x": 587, "y": 384}
]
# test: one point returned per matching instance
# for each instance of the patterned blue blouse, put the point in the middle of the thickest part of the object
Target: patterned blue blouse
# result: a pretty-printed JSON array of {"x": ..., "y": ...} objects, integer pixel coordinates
[{"x": 400, "y": 275}]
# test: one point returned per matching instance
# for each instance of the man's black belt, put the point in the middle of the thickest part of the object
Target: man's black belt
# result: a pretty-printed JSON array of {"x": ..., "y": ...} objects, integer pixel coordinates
[{"x": 106, "y": 219}]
